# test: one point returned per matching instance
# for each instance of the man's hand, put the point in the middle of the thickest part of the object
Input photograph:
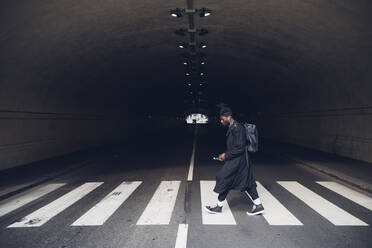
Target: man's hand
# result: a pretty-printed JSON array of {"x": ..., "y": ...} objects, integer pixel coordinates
[{"x": 222, "y": 157}]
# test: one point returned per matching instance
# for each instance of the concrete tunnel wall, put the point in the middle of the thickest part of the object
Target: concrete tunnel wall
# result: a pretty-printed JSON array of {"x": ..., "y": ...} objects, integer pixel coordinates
[
  {"x": 30, "y": 133},
  {"x": 42, "y": 122},
  {"x": 334, "y": 113},
  {"x": 49, "y": 120},
  {"x": 346, "y": 132},
  {"x": 329, "y": 108}
]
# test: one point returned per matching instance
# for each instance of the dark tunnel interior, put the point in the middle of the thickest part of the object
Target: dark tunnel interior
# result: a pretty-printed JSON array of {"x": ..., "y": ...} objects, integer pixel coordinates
[
  {"x": 116, "y": 128},
  {"x": 81, "y": 74}
]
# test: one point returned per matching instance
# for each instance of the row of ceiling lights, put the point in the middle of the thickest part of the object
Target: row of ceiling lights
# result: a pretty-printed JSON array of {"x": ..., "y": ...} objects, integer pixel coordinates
[
  {"x": 183, "y": 45},
  {"x": 201, "y": 62},
  {"x": 203, "y": 12},
  {"x": 193, "y": 59}
]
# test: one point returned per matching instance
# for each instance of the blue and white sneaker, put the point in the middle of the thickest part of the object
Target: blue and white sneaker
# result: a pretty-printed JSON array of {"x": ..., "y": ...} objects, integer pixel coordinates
[
  {"x": 213, "y": 209},
  {"x": 256, "y": 209}
]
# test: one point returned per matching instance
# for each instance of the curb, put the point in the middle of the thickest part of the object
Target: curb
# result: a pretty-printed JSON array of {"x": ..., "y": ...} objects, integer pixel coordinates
[
  {"x": 362, "y": 185},
  {"x": 48, "y": 178}
]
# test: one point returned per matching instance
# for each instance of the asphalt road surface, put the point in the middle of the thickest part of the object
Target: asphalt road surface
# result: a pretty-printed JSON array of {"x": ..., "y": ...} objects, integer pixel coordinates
[{"x": 151, "y": 194}]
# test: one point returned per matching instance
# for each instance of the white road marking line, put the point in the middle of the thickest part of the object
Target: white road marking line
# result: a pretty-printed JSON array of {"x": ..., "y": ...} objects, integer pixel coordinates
[
  {"x": 44, "y": 214},
  {"x": 192, "y": 160},
  {"x": 99, "y": 213},
  {"x": 181, "y": 241},
  {"x": 209, "y": 197},
  {"x": 352, "y": 195},
  {"x": 275, "y": 213},
  {"x": 160, "y": 208},
  {"x": 328, "y": 210},
  {"x": 26, "y": 198}
]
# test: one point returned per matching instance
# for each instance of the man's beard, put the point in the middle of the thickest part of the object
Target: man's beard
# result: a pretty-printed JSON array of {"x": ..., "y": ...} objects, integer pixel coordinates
[{"x": 225, "y": 123}]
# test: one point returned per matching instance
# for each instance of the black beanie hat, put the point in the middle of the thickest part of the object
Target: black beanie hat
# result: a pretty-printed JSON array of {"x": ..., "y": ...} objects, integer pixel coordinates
[{"x": 225, "y": 111}]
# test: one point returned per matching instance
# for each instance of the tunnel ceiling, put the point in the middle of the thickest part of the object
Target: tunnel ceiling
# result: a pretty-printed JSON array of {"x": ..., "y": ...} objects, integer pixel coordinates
[{"x": 124, "y": 56}]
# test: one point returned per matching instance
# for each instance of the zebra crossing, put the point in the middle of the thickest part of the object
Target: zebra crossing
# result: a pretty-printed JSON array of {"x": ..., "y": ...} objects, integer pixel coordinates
[
  {"x": 160, "y": 207},
  {"x": 209, "y": 197},
  {"x": 44, "y": 214},
  {"x": 99, "y": 213},
  {"x": 21, "y": 201},
  {"x": 328, "y": 210},
  {"x": 276, "y": 213}
]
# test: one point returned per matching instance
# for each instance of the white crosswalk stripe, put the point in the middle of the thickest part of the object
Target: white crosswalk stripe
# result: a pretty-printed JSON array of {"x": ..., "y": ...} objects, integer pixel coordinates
[
  {"x": 328, "y": 210},
  {"x": 98, "y": 214},
  {"x": 275, "y": 213},
  {"x": 181, "y": 240},
  {"x": 44, "y": 214},
  {"x": 160, "y": 208},
  {"x": 350, "y": 194},
  {"x": 28, "y": 197},
  {"x": 208, "y": 197}
]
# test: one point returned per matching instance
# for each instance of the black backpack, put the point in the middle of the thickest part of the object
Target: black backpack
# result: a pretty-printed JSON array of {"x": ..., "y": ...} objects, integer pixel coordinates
[{"x": 251, "y": 134}]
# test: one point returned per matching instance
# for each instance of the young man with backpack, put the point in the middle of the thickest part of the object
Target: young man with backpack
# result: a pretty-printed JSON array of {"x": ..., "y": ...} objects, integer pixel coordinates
[{"x": 236, "y": 173}]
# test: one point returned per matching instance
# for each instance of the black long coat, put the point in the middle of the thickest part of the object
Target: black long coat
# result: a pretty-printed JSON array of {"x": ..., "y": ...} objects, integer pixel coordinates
[{"x": 236, "y": 173}]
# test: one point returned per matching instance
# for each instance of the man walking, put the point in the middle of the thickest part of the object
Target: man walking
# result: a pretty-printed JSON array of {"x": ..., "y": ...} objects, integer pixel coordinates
[{"x": 236, "y": 173}]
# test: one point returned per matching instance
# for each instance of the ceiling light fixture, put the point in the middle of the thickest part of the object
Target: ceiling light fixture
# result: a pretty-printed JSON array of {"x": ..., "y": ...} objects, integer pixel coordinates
[
  {"x": 182, "y": 45},
  {"x": 203, "y": 45},
  {"x": 204, "y": 12},
  {"x": 177, "y": 13}
]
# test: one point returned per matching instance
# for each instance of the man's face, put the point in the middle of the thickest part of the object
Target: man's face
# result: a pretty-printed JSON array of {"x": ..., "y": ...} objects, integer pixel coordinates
[{"x": 225, "y": 121}]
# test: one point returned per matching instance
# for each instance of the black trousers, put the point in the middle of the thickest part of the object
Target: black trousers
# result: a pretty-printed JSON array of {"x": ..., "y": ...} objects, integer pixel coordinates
[{"x": 251, "y": 191}]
